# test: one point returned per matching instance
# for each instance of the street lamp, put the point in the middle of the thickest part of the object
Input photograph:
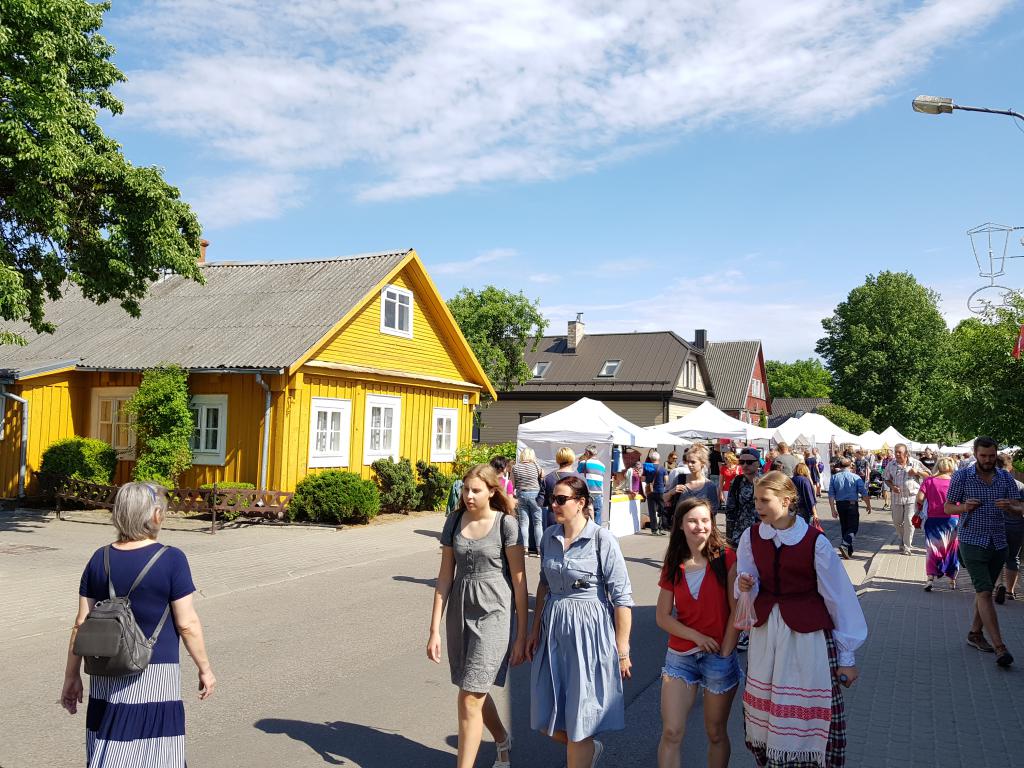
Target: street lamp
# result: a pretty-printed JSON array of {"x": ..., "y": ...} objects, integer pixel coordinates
[{"x": 937, "y": 105}]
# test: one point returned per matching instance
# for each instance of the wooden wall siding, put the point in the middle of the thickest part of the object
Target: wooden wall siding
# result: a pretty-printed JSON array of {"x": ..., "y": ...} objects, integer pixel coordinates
[
  {"x": 501, "y": 419},
  {"x": 290, "y": 456},
  {"x": 362, "y": 343},
  {"x": 677, "y": 411}
]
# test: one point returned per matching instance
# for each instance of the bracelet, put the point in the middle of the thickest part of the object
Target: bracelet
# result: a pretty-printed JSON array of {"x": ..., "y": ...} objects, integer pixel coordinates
[{"x": 624, "y": 656}]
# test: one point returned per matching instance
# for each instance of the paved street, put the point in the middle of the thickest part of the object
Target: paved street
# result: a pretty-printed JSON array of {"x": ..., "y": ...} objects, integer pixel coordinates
[{"x": 317, "y": 638}]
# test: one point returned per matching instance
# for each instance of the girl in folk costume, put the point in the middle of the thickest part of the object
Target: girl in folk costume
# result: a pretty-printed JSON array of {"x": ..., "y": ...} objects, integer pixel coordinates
[
  {"x": 697, "y": 581},
  {"x": 808, "y": 626}
]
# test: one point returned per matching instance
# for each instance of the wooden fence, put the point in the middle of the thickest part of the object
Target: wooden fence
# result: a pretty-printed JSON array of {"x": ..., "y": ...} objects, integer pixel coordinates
[{"x": 269, "y": 505}]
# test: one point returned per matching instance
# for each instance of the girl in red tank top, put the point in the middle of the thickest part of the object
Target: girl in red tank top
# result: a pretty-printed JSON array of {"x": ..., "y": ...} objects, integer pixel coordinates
[
  {"x": 697, "y": 581},
  {"x": 808, "y": 625}
]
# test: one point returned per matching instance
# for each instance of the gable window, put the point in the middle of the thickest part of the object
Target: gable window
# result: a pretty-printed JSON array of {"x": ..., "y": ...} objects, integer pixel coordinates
[
  {"x": 383, "y": 420},
  {"x": 329, "y": 430},
  {"x": 209, "y": 428},
  {"x": 610, "y": 368},
  {"x": 111, "y": 422},
  {"x": 443, "y": 444},
  {"x": 526, "y": 418},
  {"x": 396, "y": 311},
  {"x": 539, "y": 369}
]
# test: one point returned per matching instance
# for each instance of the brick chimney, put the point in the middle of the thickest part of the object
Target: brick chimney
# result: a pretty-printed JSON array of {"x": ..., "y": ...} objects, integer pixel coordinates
[
  {"x": 202, "y": 250},
  {"x": 700, "y": 338},
  {"x": 575, "y": 334}
]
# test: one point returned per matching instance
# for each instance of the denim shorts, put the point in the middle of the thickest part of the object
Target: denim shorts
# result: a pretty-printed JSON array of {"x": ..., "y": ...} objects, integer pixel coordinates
[{"x": 714, "y": 673}]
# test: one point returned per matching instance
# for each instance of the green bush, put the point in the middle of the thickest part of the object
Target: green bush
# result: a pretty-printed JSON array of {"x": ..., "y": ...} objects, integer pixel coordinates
[
  {"x": 480, "y": 453},
  {"x": 79, "y": 457},
  {"x": 434, "y": 486},
  {"x": 228, "y": 498},
  {"x": 163, "y": 426},
  {"x": 334, "y": 496},
  {"x": 397, "y": 485}
]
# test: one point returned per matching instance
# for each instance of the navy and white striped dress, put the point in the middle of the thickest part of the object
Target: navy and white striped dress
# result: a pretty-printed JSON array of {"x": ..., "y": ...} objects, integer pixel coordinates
[{"x": 138, "y": 721}]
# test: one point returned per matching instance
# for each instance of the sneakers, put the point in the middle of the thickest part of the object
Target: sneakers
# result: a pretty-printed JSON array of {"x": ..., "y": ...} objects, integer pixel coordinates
[
  {"x": 928, "y": 586},
  {"x": 743, "y": 642},
  {"x": 977, "y": 640},
  {"x": 598, "y": 751},
  {"x": 1000, "y": 595},
  {"x": 842, "y": 552},
  {"x": 1004, "y": 658},
  {"x": 849, "y": 549}
]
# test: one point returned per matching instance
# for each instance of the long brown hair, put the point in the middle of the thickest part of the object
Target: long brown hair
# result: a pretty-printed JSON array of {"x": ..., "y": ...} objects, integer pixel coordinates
[
  {"x": 678, "y": 551},
  {"x": 500, "y": 501}
]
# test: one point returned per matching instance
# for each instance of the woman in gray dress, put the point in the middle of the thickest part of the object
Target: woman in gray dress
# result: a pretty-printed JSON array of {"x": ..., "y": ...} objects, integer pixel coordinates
[
  {"x": 482, "y": 575},
  {"x": 580, "y": 652},
  {"x": 698, "y": 485}
]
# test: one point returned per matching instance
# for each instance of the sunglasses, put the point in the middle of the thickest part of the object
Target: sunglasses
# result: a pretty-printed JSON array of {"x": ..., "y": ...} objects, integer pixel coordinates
[
  {"x": 748, "y": 461},
  {"x": 561, "y": 500}
]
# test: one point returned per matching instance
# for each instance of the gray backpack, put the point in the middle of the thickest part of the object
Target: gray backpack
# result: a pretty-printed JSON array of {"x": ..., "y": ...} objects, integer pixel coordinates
[{"x": 109, "y": 639}]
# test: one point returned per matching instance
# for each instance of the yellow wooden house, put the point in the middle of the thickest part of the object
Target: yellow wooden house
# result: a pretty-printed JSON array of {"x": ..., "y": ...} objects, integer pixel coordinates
[{"x": 293, "y": 367}]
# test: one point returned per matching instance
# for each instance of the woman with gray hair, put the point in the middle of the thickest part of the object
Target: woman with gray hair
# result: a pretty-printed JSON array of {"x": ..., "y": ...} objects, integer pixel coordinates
[{"x": 138, "y": 720}]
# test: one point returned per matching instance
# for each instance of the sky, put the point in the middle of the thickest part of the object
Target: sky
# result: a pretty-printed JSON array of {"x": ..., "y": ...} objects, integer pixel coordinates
[{"x": 735, "y": 165}]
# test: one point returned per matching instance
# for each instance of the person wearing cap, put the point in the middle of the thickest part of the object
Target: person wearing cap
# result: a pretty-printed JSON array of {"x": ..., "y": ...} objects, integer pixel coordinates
[
  {"x": 740, "y": 513},
  {"x": 593, "y": 471}
]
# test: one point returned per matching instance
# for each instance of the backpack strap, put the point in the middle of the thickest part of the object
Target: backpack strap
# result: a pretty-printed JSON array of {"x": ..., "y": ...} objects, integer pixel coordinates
[
  {"x": 110, "y": 586},
  {"x": 145, "y": 569},
  {"x": 602, "y": 582}
]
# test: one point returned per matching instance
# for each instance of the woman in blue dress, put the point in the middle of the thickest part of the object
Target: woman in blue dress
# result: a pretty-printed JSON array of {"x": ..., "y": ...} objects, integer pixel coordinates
[
  {"x": 580, "y": 650},
  {"x": 139, "y": 720}
]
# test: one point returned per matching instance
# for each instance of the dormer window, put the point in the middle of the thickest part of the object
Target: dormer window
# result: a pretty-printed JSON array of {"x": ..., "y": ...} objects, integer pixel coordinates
[
  {"x": 396, "y": 311},
  {"x": 610, "y": 368},
  {"x": 539, "y": 369}
]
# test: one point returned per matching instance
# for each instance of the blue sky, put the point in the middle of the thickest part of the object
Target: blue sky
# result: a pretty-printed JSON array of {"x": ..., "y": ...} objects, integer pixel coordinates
[{"x": 736, "y": 166}]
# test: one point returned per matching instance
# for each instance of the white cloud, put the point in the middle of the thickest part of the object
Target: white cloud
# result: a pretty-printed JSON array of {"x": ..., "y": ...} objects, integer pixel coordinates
[
  {"x": 434, "y": 96},
  {"x": 224, "y": 201},
  {"x": 460, "y": 267}
]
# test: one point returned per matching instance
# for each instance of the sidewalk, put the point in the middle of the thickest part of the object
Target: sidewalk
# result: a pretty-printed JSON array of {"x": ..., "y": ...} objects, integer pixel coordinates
[{"x": 924, "y": 697}]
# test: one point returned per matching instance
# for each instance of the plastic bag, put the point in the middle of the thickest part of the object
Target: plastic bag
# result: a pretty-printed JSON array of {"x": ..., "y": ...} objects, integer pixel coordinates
[{"x": 745, "y": 616}]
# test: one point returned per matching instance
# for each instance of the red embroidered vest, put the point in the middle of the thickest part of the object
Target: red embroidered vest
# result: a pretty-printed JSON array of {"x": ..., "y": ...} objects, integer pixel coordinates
[{"x": 788, "y": 578}]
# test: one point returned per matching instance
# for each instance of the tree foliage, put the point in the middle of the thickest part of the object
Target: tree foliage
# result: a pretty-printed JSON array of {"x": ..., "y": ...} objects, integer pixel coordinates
[
  {"x": 884, "y": 346},
  {"x": 163, "y": 426},
  {"x": 802, "y": 378},
  {"x": 498, "y": 325},
  {"x": 71, "y": 206},
  {"x": 844, "y": 418},
  {"x": 983, "y": 392}
]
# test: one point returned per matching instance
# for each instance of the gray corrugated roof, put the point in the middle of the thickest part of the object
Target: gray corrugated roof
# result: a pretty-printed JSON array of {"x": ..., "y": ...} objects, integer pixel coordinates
[
  {"x": 730, "y": 364},
  {"x": 262, "y": 315},
  {"x": 651, "y": 362},
  {"x": 784, "y": 406}
]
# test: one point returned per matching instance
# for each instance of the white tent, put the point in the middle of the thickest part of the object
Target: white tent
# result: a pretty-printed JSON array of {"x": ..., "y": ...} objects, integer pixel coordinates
[
  {"x": 871, "y": 441},
  {"x": 815, "y": 427},
  {"x": 967, "y": 447},
  {"x": 892, "y": 436},
  {"x": 706, "y": 421}
]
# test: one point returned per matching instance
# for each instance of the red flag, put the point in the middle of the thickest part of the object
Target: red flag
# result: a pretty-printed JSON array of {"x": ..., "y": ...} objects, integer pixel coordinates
[{"x": 1018, "y": 348}]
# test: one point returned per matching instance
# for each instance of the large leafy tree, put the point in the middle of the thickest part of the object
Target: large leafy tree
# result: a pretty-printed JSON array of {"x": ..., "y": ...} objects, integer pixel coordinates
[
  {"x": 498, "y": 325},
  {"x": 884, "y": 346},
  {"x": 71, "y": 206},
  {"x": 984, "y": 394},
  {"x": 844, "y": 418},
  {"x": 802, "y": 378}
]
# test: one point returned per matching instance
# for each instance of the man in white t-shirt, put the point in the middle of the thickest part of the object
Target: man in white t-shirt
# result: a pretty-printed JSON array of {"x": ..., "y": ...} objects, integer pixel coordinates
[{"x": 904, "y": 475}]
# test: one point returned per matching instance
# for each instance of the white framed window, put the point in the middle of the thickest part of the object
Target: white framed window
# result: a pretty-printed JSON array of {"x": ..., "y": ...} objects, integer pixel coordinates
[
  {"x": 539, "y": 369},
  {"x": 382, "y": 427},
  {"x": 610, "y": 368},
  {"x": 444, "y": 438},
  {"x": 396, "y": 311},
  {"x": 111, "y": 423},
  {"x": 330, "y": 429},
  {"x": 209, "y": 428}
]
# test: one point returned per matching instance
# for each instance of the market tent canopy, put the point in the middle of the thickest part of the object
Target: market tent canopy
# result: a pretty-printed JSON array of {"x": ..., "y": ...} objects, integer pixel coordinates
[
  {"x": 585, "y": 421},
  {"x": 892, "y": 436},
  {"x": 707, "y": 421},
  {"x": 871, "y": 441},
  {"x": 815, "y": 428},
  {"x": 967, "y": 447},
  {"x": 658, "y": 433}
]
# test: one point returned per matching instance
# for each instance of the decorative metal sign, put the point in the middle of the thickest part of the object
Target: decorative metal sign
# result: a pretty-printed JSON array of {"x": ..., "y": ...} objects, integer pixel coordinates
[{"x": 990, "y": 243}]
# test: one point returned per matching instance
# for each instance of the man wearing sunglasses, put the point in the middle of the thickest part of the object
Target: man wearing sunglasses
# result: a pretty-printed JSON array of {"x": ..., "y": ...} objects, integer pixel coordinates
[{"x": 740, "y": 513}]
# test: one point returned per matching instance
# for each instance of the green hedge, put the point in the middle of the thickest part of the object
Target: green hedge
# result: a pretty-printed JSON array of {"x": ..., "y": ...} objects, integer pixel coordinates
[
  {"x": 434, "y": 486},
  {"x": 79, "y": 457},
  {"x": 231, "y": 499},
  {"x": 398, "y": 493},
  {"x": 481, "y": 453},
  {"x": 334, "y": 496}
]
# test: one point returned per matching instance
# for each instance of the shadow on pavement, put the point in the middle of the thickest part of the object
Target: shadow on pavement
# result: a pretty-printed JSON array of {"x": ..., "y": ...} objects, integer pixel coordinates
[
  {"x": 414, "y": 580},
  {"x": 341, "y": 743},
  {"x": 25, "y": 520},
  {"x": 431, "y": 534}
]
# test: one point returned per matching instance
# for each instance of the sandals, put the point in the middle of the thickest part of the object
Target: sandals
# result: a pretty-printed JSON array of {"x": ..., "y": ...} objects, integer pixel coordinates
[{"x": 506, "y": 747}]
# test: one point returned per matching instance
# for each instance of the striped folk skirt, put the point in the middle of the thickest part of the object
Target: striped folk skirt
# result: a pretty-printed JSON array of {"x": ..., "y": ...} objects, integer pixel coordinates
[
  {"x": 136, "y": 721},
  {"x": 943, "y": 550}
]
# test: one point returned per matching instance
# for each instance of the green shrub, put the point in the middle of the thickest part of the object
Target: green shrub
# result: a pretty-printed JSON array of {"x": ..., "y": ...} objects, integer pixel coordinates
[
  {"x": 434, "y": 486},
  {"x": 481, "y": 453},
  {"x": 79, "y": 457},
  {"x": 163, "y": 426},
  {"x": 334, "y": 496},
  {"x": 397, "y": 485},
  {"x": 228, "y": 498}
]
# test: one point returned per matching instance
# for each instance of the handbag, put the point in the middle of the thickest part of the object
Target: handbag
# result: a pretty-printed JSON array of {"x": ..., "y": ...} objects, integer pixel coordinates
[{"x": 110, "y": 639}]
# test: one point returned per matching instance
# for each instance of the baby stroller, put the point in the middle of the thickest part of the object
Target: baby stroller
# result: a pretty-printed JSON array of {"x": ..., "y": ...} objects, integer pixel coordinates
[{"x": 875, "y": 485}]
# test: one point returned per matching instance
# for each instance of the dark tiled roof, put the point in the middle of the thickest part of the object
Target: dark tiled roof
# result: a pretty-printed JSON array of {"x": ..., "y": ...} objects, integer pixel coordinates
[
  {"x": 253, "y": 315},
  {"x": 730, "y": 364},
  {"x": 785, "y": 406},
  {"x": 651, "y": 362}
]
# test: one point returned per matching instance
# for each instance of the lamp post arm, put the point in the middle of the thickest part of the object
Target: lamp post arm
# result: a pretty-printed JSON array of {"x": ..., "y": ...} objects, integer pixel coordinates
[{"x": 1008, "y": 112}]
